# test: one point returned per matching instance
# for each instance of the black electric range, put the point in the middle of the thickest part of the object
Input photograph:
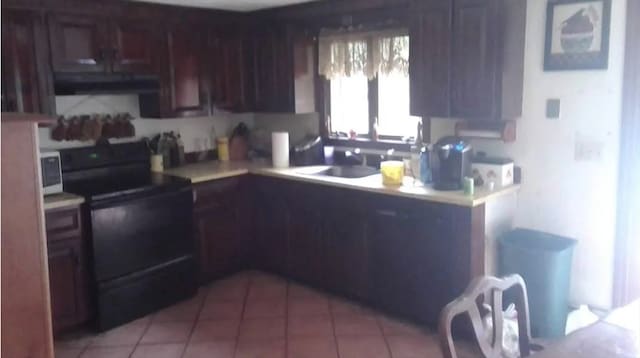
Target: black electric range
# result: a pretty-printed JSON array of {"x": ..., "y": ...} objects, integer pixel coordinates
[{"x": 140, "y": 227}]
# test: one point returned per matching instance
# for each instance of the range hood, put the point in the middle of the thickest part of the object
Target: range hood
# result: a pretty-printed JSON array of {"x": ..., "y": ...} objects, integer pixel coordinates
[{"x": 104, "y": 83}]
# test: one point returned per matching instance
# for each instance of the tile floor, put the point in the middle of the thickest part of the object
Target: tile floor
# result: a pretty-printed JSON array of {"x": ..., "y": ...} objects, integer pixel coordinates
[{"x": 256, "y": 315}]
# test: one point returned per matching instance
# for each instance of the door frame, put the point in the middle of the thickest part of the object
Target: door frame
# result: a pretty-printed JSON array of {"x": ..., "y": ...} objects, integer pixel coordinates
[{"x": 627, "y": 245}]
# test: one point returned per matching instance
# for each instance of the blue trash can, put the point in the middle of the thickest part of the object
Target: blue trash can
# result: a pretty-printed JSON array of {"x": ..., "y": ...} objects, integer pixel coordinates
[{"x": 544, "y": 262}]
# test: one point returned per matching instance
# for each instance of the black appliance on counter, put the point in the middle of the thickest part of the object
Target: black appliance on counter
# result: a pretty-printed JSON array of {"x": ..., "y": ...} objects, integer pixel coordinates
[
  {"x": 309, "y": 152},
  {"x": 140, "y": 224},
  {"x": 451, "y": 163}
]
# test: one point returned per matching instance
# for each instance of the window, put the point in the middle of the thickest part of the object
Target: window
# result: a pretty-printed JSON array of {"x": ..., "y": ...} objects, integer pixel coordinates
[
  {"x": 393, "y": 106},
  {"x": 350, "y": 105},
  {"x": 368, "y": 84}
]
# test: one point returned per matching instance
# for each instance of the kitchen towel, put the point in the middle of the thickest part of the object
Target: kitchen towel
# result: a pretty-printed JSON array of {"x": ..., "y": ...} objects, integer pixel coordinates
[{"x": 280, "y": 149}]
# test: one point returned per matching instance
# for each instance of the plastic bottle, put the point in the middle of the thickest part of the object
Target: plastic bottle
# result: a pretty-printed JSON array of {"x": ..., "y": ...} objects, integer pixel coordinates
[
  {"x": 425, "y": 165},
  {"x": 180, "y": 145},
  {"x": 579, "y": 318}
]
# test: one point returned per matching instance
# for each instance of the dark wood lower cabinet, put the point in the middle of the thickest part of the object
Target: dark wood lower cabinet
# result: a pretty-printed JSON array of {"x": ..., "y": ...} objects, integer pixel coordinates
[
  {"x": 306, "y": 256},
  {"x": 220, "y": 238},
  {"x": 271, "y": 230},
  {"x": 68, "y": 276},
  {"x": 408, "y": 257},
  {"x": 345, "y": 233}
]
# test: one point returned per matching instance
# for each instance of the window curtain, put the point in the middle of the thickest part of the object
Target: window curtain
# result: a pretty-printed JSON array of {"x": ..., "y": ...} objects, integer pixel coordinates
[{"x": 344, "y": 54}]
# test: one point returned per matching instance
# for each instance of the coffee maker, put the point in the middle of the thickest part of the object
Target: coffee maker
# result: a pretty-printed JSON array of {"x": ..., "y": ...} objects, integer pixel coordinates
[{"x": 451, "y": 163}]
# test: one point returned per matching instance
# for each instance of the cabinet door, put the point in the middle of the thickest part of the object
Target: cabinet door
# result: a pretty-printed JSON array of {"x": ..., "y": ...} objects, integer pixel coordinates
[
  {"x": 229, "y": 71},
  {"x": 347, "y": 269},
  {"x": 394, "y": 258},
  {"x": 217, "y": 238},
  {"x": 24, "y": 84},
  {"x": 217, "y": 227},
  {"x": 187, "y": 81},
  {"x": 133, "y": 47},
  {"x": 78, "y": 43},
  {"x": 67, "y": 283},
  {"x": 429, "y": 57},
  {"x": 272, "y": 223},
  {"x": 304, "y": 72},
  {"x": 273, "y": 71},
  {"x": 475, "y": 60},
  {"x": 306, "y": 250}
]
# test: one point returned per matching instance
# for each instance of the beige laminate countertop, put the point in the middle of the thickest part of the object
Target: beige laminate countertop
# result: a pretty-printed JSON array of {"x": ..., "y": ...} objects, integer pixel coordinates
[
  {"x": 55, "y": 201},
  {"x": 211, "y": 170}
]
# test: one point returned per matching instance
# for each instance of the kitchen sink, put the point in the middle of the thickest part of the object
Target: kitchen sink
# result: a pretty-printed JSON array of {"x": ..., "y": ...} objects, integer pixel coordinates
[{"x": 357, "y": 171}]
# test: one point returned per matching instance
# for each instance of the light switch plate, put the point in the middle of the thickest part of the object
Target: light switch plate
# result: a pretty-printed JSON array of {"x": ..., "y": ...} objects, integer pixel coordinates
[{"x": 553, "y": 108}]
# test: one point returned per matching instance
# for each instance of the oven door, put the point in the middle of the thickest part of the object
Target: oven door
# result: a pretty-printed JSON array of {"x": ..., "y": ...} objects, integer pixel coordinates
[{"x": 133, "y": 234}]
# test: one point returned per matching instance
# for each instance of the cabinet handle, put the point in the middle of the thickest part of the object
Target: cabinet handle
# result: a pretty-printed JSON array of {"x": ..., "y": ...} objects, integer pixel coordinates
[
  {"x": 195, "y": 196},
  {"x": 76, "y": 260},
  {"x": 100, "y": 57},
  {"x": 11, "y": 105},
  {"x": 390, "y": 213},
  {"x": 393, "y": 214}
]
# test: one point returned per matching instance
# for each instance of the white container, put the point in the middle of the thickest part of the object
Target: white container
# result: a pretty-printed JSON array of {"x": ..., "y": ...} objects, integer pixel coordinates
[
  {"x": 280, "y": 149},
  {"x": 580, "y": 318},
  {"x": 493, "y": 170},
  {"x": 156, "y": 163}
]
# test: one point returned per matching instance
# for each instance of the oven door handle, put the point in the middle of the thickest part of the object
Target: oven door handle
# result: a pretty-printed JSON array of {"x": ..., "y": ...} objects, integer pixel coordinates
[{"x": 131, "y": 198}]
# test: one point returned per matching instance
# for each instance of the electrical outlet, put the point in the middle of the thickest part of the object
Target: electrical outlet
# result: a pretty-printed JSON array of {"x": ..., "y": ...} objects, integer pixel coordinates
[
  {"x": 588, "y": 150},
  {"x": 553, "y": 108}
]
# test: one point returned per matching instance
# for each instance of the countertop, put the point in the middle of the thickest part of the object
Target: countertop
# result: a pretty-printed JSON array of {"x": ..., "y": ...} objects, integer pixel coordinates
[
  {"x": 211, "y": 170},
  {"x": 55, "y": 201}
]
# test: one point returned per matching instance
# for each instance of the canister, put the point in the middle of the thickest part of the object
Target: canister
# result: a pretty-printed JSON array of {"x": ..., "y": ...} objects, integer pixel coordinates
[
  {"x": 223, "y": 148},
  {"x": 392, "y": 172}
]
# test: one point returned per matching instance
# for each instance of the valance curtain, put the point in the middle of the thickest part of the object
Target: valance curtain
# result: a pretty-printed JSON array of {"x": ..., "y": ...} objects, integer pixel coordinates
[{"x": 345, "y": 54}]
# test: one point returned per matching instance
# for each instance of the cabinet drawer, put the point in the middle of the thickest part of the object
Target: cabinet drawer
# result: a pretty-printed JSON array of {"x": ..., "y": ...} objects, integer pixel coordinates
[
  {"x": 220, "y": 192},
  {"x": 63, "y": 223}
]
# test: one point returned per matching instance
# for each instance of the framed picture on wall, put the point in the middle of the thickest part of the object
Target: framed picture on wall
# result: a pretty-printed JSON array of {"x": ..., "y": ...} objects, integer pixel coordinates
[{"x": 577, "y": 35}]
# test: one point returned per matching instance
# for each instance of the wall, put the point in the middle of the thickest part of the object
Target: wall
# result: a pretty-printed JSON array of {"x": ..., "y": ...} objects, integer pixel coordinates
[
  {"x": 561, "y": 194},
  {"x": 197, "y": 133},
  {"x": 299, "y": 127}
]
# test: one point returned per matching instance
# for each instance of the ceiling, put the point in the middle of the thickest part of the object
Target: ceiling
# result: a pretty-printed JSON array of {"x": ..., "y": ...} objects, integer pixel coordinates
[{"x": 231, "y": 5}]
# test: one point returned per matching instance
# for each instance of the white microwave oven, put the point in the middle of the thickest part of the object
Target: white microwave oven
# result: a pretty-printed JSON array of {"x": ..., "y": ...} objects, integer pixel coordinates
[{"x": 51, "y": 172}]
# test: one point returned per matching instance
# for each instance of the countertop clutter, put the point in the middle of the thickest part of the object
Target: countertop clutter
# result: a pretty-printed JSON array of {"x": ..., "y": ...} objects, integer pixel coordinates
[
  {"x": 56, "y": 201},
  {"x": 211, "y": 170}
]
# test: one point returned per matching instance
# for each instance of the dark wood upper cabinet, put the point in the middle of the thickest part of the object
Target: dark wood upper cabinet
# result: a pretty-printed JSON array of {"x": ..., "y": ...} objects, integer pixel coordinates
[
  {"x": 304, "y": 72},
  {"x": 96, "y": 44},
  {"x": 230, "y": 70},
  {"x": 467, "y": 58},
  {"x": 430, "y": 46},
  {"x": 475, "y": 59},
  {"x": 187, "y": 83},
  {"x": 78, "y": 43},
  {"x": 273, "y": 70},
  {"x": 25, "y": 79},
  {"x": 487, "y": 59},
  {"x": 133, "y": 47}
]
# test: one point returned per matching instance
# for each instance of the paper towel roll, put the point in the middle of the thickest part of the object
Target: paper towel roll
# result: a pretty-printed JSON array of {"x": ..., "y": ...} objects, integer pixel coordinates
[{"x": 280, "y": 149}]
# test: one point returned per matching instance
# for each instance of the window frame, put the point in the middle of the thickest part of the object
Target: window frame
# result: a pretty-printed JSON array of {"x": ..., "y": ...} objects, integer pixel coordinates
[{"x": 372, "y": 100}]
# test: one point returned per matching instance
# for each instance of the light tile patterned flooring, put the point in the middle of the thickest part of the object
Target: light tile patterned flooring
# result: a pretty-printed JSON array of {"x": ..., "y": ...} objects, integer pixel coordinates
[{"x": 256, "y": 315}]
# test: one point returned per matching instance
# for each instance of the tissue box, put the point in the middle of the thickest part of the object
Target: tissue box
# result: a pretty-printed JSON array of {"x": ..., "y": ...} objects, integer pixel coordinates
[{"x": 497, "y": 170}]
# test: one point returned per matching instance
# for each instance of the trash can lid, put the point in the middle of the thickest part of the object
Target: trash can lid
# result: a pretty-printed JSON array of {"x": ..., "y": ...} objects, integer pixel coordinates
[{"x": 536, "y": 240}]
